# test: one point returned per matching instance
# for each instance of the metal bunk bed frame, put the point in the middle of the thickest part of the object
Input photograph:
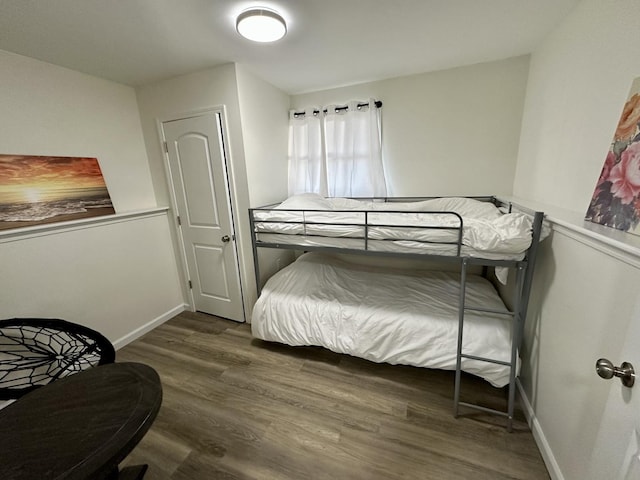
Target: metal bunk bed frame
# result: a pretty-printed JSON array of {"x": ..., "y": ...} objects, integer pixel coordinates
[{"x": 521, "y": 294}]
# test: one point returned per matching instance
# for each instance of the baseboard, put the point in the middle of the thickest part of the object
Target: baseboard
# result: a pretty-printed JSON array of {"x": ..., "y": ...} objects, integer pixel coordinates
[
  {"x": 147, "y": 327},
  {"x": 538, "y": 435}
]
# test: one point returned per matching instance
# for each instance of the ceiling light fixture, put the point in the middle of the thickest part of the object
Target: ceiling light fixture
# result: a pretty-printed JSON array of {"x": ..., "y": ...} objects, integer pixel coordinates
[{"x": 261, "y": 25}]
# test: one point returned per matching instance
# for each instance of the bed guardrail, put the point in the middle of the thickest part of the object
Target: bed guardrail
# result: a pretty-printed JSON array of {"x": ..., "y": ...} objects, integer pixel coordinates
[
  {"x": 260, "y": 225},
  {"x": 366, "y": 231}
]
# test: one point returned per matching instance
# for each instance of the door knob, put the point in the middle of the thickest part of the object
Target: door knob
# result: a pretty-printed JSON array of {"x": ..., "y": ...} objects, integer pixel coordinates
[
  {"x": 225, "y": 238},
  {"x": 608, "y": 370}
]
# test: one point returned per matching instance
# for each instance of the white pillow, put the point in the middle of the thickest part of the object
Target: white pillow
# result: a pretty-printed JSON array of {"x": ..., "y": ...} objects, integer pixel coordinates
[
  {"x": 305, "y": 201},
  {"x": 465, "y": 207},
  {"x": 339, "y": 203}
]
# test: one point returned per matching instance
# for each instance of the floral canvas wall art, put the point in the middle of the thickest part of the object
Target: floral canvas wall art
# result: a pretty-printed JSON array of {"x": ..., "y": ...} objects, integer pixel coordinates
[
  {"x": 616, "y": 199},
  {"x": 40, "y": 189}
]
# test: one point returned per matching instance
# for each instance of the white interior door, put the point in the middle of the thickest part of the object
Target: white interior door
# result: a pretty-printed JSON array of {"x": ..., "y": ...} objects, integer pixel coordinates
[
  {"x": 197, "y": 167},
  {"x": 616, "y": 455}
]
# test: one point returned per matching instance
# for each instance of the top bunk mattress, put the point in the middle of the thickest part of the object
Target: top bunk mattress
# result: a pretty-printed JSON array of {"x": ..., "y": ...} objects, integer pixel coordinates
[{"x": 453, "y": 226}]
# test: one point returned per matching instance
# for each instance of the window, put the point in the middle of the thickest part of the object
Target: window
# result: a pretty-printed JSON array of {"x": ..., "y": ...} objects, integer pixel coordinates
[
  {"x": 307, "y": 172},
  {"x": 337, "y": 151}
]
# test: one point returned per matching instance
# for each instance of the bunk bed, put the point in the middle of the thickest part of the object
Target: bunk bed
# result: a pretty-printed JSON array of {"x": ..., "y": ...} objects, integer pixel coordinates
[{"x": 436, "y": 319}]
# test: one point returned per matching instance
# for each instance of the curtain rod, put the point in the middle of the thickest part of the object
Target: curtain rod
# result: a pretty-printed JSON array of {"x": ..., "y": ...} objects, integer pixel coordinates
[{"x": 378, "y": 104}]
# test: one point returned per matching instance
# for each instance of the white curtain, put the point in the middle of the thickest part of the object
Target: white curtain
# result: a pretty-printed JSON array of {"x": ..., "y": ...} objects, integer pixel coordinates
[
  {"x": 307, "y": 172},
  {"x": 354, "y": 150}
]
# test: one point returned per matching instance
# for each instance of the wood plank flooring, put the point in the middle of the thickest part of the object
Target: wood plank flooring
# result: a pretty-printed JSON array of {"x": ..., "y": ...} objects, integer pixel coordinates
[{"x": 237, "y": 408}]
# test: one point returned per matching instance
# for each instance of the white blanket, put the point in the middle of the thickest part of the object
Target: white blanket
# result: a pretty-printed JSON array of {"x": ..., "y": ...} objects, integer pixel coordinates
[
  {"x": 391, "y": 316},
  {"x": 485, "y": 229}
]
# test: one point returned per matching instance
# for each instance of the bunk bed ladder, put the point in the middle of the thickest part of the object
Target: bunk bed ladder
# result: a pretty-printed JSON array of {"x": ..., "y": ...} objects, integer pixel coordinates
[{"x": 517, "y": 327}]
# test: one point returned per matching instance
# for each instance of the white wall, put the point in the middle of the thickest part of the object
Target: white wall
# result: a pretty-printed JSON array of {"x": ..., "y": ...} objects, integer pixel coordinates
[
  {"x": 185, "y": 94},
  {"x": 50, "y": 110},
  {"x": 80, "y": 275},
  {"x": 579, "y": 80},
  {"x": 584, "y": 291},
  {"x": 583, "y": 300},
  {"x": 213, "y": 87},
  {"x": 117, "y": 278},
  {"x": 264, "y": 112},
  {"x": 452, "y": 132}
]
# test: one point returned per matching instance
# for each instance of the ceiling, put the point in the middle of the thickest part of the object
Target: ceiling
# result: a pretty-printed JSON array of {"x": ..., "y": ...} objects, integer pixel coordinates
[{"x": 329, "y": 43}]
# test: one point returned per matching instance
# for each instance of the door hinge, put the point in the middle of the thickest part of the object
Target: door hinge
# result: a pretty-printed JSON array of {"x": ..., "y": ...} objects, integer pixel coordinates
[
  {"x": 179, "y": 221},
  {"x": 166, "y": 147},
  {"x": 190, "y": 285}
]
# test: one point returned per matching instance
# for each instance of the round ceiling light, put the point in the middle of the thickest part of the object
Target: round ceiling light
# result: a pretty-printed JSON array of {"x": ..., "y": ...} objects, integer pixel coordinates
[{"x": 261, "y": 25}]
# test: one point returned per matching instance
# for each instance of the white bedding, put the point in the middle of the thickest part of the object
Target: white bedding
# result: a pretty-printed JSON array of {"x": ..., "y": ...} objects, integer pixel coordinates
[
  {"x": 400, "y": 246},
  {"x": 387, "y": 315},
  {"x": 487, "y": 232}
]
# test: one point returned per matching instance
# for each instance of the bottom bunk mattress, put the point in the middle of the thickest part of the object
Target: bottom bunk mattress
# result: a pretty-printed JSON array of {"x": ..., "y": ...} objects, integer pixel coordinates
[{"x": 384, "y": 315}]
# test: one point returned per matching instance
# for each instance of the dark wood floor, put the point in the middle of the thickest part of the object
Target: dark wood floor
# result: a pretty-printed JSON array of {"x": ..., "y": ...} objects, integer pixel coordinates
[{"x": 238, "y": 408}]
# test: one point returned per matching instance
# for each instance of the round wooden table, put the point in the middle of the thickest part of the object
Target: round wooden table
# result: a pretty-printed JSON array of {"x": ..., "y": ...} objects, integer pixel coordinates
[{"x": 81, "y": 426}]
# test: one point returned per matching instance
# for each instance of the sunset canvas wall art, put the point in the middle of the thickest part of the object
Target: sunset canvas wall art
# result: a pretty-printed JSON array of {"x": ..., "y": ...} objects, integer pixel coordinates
[
  {"x": 39, "y": 189},
  {"x": 616, "y": 199}
]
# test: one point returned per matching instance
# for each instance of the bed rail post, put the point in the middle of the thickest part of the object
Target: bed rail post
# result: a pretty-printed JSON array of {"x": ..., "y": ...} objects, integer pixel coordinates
[
  {"x": 517, "y": 327},
  {"x": 366, "y": 230},
  {"x": 460, "y": 237},
  {"x": 532, "y": 254},
  {"x": 461, "y": 302},
  {"x": 254, "y": 247}
]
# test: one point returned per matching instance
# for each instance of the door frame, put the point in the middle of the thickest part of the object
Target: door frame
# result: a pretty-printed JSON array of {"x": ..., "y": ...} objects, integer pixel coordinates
[{"x": 230, "y": 196}]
